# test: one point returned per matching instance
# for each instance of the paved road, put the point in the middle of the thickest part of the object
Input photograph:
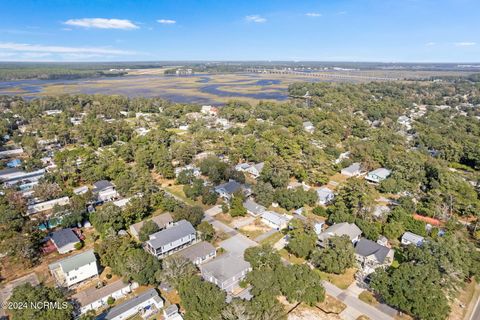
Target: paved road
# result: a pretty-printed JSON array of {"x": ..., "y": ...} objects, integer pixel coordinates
[
  {"x": 354, "y": 303},
  {"x": 476, "y": 311}
]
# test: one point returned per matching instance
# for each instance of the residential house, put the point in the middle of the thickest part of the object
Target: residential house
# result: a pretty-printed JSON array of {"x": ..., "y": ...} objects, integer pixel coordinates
[
  {"x": 352, "y": 170},
  {"x": 226, "y": 271},
  {"x": 171, "y": 313},
  {"x": 409, "y": 238},
  {"x": 227, "y": 190},
  {"x": 242, "y": 167},
  {"x": 80, "y": 190},
  {"x": 340, "y": 229},
  {"x": 10, "y": 153},
  {"x": 199, "y": 252},
  {"x": 318, "y": 228},
  {"x": 64, "y": 240},
  {"x": 11, "y": 173},
  {"x": 168, "y": 241},
  {"x": 325, "y": 195},
  {"x": 209, "y": 110},
  {"x": 20, "y": 176},
  {"x": 163, "y": 221},
  {"x": 105, "y": 191},
  {"x": 74, "y": 269},
  {"x": 95, "y": 298},
  {"x": 195, "y": 170},
  {"x": 253, "y": 208},
  {"x": 121, "y": 203},
  {"x": 275, "y": 220},
  {"x": 256, "y": 169},
  {"x": 371, "y": 255},
  {"x": 47, "y": 205},
  {"x": 308, "y": 127},
  {"x": 146, "y": 304},
  {"x": 378, "y": 175}
]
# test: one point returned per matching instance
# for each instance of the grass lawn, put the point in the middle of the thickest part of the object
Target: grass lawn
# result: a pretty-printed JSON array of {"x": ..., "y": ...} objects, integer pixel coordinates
[
  {"x": 177, "y": 190},
  {"x": 290, "y": 257},
  {"x": 224, "y": 217},
  {"x": 343, "y": 281},
  {"x": 271, "y": 240},
  {"x": 367, "y": 297},
  {"x": 252, "y": 234}
]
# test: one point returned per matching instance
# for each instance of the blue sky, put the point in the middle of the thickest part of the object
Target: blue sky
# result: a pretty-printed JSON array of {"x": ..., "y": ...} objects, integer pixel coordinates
[{"x": 322, "y": 30}]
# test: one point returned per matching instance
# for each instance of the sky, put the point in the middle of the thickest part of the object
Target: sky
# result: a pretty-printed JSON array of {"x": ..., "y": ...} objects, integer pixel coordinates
[{"x": 228, "y": 30}]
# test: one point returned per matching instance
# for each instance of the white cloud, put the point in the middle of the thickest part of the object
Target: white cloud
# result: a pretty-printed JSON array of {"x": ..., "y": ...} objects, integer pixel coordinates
[
  {"x": 465, "y": 44},
  {"x": 101, "y": 23},
  {"x": 166, "y": 21},
  {"x": 34, "y": 48},
  {"x": 313, "y": 14},
  {"x": 255, "y": 18}
]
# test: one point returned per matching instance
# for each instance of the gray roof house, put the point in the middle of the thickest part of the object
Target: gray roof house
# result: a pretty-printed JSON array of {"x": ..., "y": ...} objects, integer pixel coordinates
[
  {"x": 225, "y": 271},
  {"x": 226, "y": 190},
  {"x": 253, "y": 208},
  {"x": 378, "y": 175},
  {"x": 325, "y": 195},
  {"x": 74, "y": 269},
  {"x": 371, "y": 255},
  {"x": 340, "y": 229},
  {"x": 352, "y": 170},
  {"x": 144, "y": 303},
  {"x": 199, "y": 252},
  {"x": 412, "y": 238},
  {"x": 102, "y": 185},
  {"x": 94, "y": 298},
  {"x": 163, "y": 221},
  {"x": 275, "y": 220},
  {"x": 168, "y": 241},
  {"x": 64, "y": 240}
]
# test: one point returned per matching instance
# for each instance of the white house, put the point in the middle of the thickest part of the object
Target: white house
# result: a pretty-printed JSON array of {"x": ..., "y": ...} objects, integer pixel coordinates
[
  {"x": 352, "y": 170},
  {"x": 225, "y": 271},
  {"x": 409, "y": 238},
  {"x": 47, "y": 205},
  {"x": 253, "y": 208},
  {"x": 308, "y": 127},
  {"x": 168, "y": 241},
  {"x": 95, "y": 298},
  {"x": 209, "y": 110},
  {"x": 146, "y": 304},
  {"x": 74, "y": 269},
  {"x": 10, "y": 153},
  {"x": 105, "y": 191},
  {"x": 275, "y": 220},
  {"x": 325, "y": 195},
  {"x": 378, "y": 175},
  {"x": 171, "y": 313}
]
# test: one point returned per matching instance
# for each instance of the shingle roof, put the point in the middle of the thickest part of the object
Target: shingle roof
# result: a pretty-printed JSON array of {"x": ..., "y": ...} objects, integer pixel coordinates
[
  {"x": 324, "y": 193},
  {"x": 254, "y": 207},
  {"x": 412, "y": 237},
  {"x": 64, "y": 237},
  {"x": 230, "y": 187},
  {"x": 198, "y": 250},
  {"x": 181, "y": 229},
  {"x": 367, "y": 248},
  {"x": 132, "y": 303},
  {"x": 102, "y": 185},
  {"x": 161, "y": 220},
  {"x": 274, "y": 217},
  {"x": 73, "y": 262},
  {"x": 353, "y": 168},
  {"x": 340, "y": 229},
  {"x": 93, "y": 294},
  {"x": 225, "y": 267}
]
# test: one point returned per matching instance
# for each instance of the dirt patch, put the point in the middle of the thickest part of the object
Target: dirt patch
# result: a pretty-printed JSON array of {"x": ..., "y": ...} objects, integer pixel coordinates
[
  {"x": 307, "y": 313},
  {"x": 331, "y": 305}
]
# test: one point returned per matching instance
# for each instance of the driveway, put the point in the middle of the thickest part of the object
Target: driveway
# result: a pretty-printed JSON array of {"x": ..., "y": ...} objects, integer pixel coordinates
[
  {"x": 265, "y": 235},
  {"x": 213, "y": 211},
  {"x": 237, "y": 244}
]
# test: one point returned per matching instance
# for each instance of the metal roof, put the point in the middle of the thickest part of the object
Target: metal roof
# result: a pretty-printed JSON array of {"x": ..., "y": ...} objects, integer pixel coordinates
[
  {"x": 74, "y": 262},
  {"x": 132, "y": 303}
]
